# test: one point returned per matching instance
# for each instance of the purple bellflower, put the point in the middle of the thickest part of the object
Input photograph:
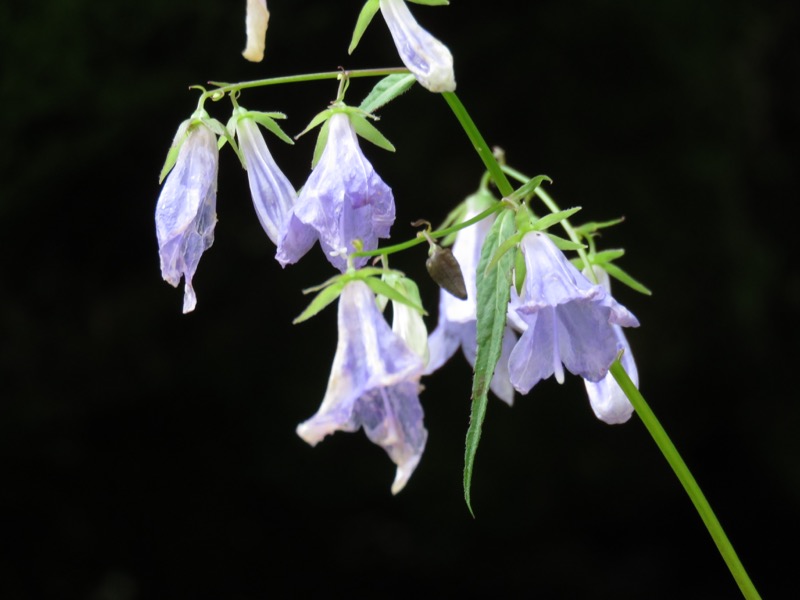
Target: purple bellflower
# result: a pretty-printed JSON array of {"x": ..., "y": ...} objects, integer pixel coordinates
[
  {"x": 457, "y": 326},
  {"x": 426, "y": 57},
  {"x": 374, "y": 384},
  {"x": 567, "y": 320},
  {"x": 186, "y": 212},
  {"x": 343, "y": 200},
  {"x": 273, "y": 194},
  {"x": 608, "y": 401}
]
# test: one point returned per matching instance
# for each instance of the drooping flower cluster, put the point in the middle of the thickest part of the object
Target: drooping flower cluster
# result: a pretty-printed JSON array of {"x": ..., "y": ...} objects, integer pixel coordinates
[{"x": 374, "y": 384}]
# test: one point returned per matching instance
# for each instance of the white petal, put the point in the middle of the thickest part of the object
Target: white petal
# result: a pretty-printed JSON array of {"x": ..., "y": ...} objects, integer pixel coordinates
[{"x": 256, "y": 23}]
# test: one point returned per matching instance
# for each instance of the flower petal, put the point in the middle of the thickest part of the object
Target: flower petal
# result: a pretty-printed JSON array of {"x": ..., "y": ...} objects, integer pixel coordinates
[{"x": 426, "y": 57}]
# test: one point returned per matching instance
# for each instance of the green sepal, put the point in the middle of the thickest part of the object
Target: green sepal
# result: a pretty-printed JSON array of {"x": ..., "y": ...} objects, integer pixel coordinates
[
  {"x": 592, "y": 227},
  {"x": 553, "y": 218},
  {"x": 224, "y": 136},
  {"x": 529, "y": 188},
  {"x": 431, "y": 2},
  {"x": 494, "y": 290},
  {"x": 623, "y": 277},
  {"x": 520, "y": 270},
  {"x": 267, "y": 120},
  {"x": 379, "y": 286},
  {"x": 606, "y": 256},
  {"x": 386, "y": 90},
  {"x": 319, "y": 147},
  {"x": 563, "y": 244},
  {"x": 323, "y": 299},
  {"x": 364, "y": 19},
  {"x": 524, "y": 218},
  {"x": 174, "y": 149},
  {"x": 369, "y": 132}
]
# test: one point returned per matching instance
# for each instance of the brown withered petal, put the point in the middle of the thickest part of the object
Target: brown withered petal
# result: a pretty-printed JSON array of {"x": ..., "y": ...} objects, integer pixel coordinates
[{"x": 445, "y": 271}]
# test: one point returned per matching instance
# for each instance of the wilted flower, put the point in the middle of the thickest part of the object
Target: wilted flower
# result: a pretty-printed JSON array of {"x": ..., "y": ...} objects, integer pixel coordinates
[
  {"x": 567, "y": 320},
  {"x": 458, "y": 318},
  {"x": 273, "y": 194},
  {"x": 608, "y": 401},
  {"x": 374, "y": 384},
  {"x": 342, "y": 201},
  {"x": 256, "y": 22},
  {"x": 426, "y": 57},
  {"x": 186, "y": 211}
]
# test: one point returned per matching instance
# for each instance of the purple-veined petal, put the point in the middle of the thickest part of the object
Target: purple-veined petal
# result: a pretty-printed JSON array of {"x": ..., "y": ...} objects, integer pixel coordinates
[
  {"x": 426, "y": 57},
  {"x": 374, "y": 384},
  {"x": 343, "y": 200},
  {"x": 272, "y": 193},
  {"x": 186, "y": 210}
]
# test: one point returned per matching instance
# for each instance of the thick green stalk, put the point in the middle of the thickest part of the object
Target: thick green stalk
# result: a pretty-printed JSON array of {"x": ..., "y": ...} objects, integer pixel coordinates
[{"x": 687, "y": 480}]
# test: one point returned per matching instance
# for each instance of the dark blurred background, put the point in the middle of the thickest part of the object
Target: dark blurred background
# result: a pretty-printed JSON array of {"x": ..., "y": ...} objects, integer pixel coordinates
[{"x": 149, "y": 454}]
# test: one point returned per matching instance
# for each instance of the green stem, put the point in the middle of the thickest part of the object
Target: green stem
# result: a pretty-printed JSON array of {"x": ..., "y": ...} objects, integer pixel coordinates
[
  {"x": 687, "y": 480},
  {"x": 225, "y": 88},
  {"x": 480, "y": 145},
  {"x": 433, "y": 234}
]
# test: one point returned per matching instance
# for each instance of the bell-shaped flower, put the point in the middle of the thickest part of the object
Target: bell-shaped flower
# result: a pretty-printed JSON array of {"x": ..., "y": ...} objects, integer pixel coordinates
[
  {"x": 426, "y": 57},
  {"x": 343, "y": 200},
  {"x": 186, "y": 212},
  {"x": 374, "y": 384},
  {"x": 273, "y": 194},
  {"x": 457, "y": 326},
  {"x": 567, "y": 320},
  {"x": 608, "y": 401}
]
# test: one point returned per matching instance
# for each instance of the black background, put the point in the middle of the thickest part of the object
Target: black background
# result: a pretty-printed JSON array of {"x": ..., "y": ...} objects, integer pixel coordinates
[{"x": 148, "y": 454}]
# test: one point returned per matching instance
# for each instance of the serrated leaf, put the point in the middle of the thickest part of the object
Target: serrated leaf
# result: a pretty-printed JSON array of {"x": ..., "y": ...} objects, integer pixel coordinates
[
  {"x": 563, "y": 244},
  {"x": 369, "y": 132},
  {"x": 386, "y": 90},
  {"x": 553, "y": 218},
  {"x": 364, "y": 18},
  {"x": 623, "y": 277},
  {"x": 494, "y": 290},
  {"x": 529, "y": 187},
  {"x": 321, "y": 300},
  {"x": 381, "y": 287}
]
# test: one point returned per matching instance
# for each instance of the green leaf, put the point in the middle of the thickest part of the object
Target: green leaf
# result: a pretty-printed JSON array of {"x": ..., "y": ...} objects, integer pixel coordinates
[
  {"x": 494, "y": 290},
  {"x": 563, "y": 244},
  {"x": 529, "y": 187},
  {"x": 369, "y": 132},
  {"x": 321, "y": 300},
  {"x": 381, "y": 287},
  {"x": 623, "y": 277},
  {"x": 431, "y": 2},
  {"x": 364, "y": 19},
  {"x": 553, "y": 218},
  {"x": 386, "y": 90}
]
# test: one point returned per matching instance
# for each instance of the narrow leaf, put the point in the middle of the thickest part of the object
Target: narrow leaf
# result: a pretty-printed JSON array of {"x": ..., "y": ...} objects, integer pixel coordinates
[
  {"x": 321, "y": 300},
  {"x": 529, "y": 187},
  {"x": 364, "y": 19},
  {"x": 494, "y": 290},
  {"x": 623, "y": 277},
  {"x": 563, "y": 244},
  {"x": 370, "y": 133},
  {"x": 381, "y": 287},
  {"x": 386, "y": 90},
  {"x": 553, "y": 218}
]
